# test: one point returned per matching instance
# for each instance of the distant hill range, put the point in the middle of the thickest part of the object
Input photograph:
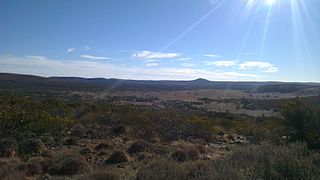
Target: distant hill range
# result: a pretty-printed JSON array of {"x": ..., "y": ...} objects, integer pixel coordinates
[{"x": 31, "y": 82}]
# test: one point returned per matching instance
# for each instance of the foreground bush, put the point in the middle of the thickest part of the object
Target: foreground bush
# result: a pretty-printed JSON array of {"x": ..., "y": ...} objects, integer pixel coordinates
[
  {"x": 101, "y": 175},
  {"x": 21, "y": 118},
  {"x": 294, "y": 161},
  {"x": 69, "y": 164},
  {"x": 302, "y": 123},
  {"x": 118, "y": 157}
]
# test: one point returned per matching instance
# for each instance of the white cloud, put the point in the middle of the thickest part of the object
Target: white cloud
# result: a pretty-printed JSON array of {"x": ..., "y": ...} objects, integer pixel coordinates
[
  {"x": 94, "y": 57},
  {"x": 264, "y": 66},
  {"x": 71, "y": 50},
  {"x": 152, "y": 64},
  {"x": 154, "y": 55},
  {"x": 152, "y": 60},
  {"x": 184, "y": 59},
  {"x": 40, "y": 65},
  {"x": 212, "y": 55},
  {"x": 222, "y": 63},
  {"x": 188, "y": 65}
]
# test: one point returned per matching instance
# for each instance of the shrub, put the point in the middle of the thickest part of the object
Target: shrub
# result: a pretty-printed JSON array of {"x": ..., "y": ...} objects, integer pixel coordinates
[
  {"x": 121, "y": 129},
  {"x": 192, "y": 154},
  {"x": 302, "y": 123},
  {"x": 273, "y": 162},
  {"x": 8, "y": 147},
  {"x": 22, "y": 118},
  {"x": 78, "y": 131},
  {"x": 31, "y": 147},
  {"x": 69, "y": 163},
  {"x": 12, "y": 169},
  {"x": 266, "y": 161},
  {"x": 179, "y": 155},
  {"x": 102, "y": 146},
  {"x": 138, "y": 146},
  {"x": 187, "y": 154},
  {"x": 171, "y": 170},
  {"x": 117, "y": 157},
  {"x": 33, "y": 168},
  {"x": 101, "y": 175}
]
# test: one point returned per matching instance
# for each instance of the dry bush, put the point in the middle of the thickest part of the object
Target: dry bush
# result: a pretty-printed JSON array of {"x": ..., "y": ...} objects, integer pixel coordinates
[
  {"x": 179, "y": 155},
  {"x": 101, "y": 175},
  {"x": 78, "y": 131},
  {"x": 171, "y": 170},
  {"x": 103, "y": 146},
  {"x": 138, "y": 146},
  {"x": 192, "y": 154},
  {"x": 87, "y": 150},
  {"x": 186, "y": 153},
  {"x": 31, "y": 147},
  {"x": 12, "y": 169},
  {"x": 69, "y": 163},
  {"x": 121, "y": 129},
  {"x": 265, "y": 161},
  {"x": 33, "y": 168},
  {"x": 117, "y": 157},
  {"x": 70, "y": 141},
  {"x": 155, "y": 140},
  {"x": 8, "y": 147}
]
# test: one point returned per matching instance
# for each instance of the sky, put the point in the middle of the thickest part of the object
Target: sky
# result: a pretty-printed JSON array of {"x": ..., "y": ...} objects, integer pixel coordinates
[{"x": 219, "y": 40}]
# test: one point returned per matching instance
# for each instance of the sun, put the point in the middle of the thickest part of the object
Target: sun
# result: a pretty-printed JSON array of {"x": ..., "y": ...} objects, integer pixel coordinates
[{"x": 270, "y": 2}]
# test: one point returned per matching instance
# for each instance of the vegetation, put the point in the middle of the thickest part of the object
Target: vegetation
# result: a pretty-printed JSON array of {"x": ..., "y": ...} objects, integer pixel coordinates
[
  {"x": 265, "y": 161},
  {"x": 302, "y": 123},
  {"x": 57, "y": 135}
]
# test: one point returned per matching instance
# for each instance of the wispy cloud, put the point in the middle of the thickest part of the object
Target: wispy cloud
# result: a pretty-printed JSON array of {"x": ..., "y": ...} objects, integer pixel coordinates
[
  {"x": 40, "y": 65},
  {"x": 94, "y": 57},
  {"x": 188, "y": 64},
  {"x": 222, "y": 63},
  {"x": 69, "y": 50},
  {"x": 152, "y": 64},
  {"x": 212, "y": 55},
  {"x": 264, "y": 66},
  {"x": 184, "y": 59},
  {"x": 151, "y": 60},
  {"x": 154, "y": 55},
  {"x": 87, "y": 47}
]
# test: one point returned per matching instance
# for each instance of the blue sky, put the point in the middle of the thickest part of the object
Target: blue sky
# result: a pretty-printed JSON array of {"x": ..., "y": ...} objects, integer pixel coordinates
[{"x": 238, "y": 40}]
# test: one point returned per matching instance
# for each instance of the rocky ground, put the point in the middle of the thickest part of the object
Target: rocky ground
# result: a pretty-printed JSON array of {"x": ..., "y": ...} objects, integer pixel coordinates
[{"x": 77, "y": 155}]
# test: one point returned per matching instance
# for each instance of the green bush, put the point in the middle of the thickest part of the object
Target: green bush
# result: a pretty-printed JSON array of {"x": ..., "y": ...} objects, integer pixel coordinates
[
  {"x": 302, "y": 123},
  {"x": 25, "y": 118}
]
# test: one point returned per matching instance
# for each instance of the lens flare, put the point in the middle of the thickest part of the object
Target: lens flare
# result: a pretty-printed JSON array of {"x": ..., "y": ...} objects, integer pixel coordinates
[{"x": 270, "y": 2}]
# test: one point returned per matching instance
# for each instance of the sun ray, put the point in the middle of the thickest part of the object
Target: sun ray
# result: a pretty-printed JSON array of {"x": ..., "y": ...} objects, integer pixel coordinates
[
  {"x": 190, "y": 28},
  {"x": 265, "y": 31}
]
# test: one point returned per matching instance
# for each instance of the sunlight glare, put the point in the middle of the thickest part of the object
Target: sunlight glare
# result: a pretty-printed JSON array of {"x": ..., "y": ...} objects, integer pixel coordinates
[{"x": 270, "y": 2}]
